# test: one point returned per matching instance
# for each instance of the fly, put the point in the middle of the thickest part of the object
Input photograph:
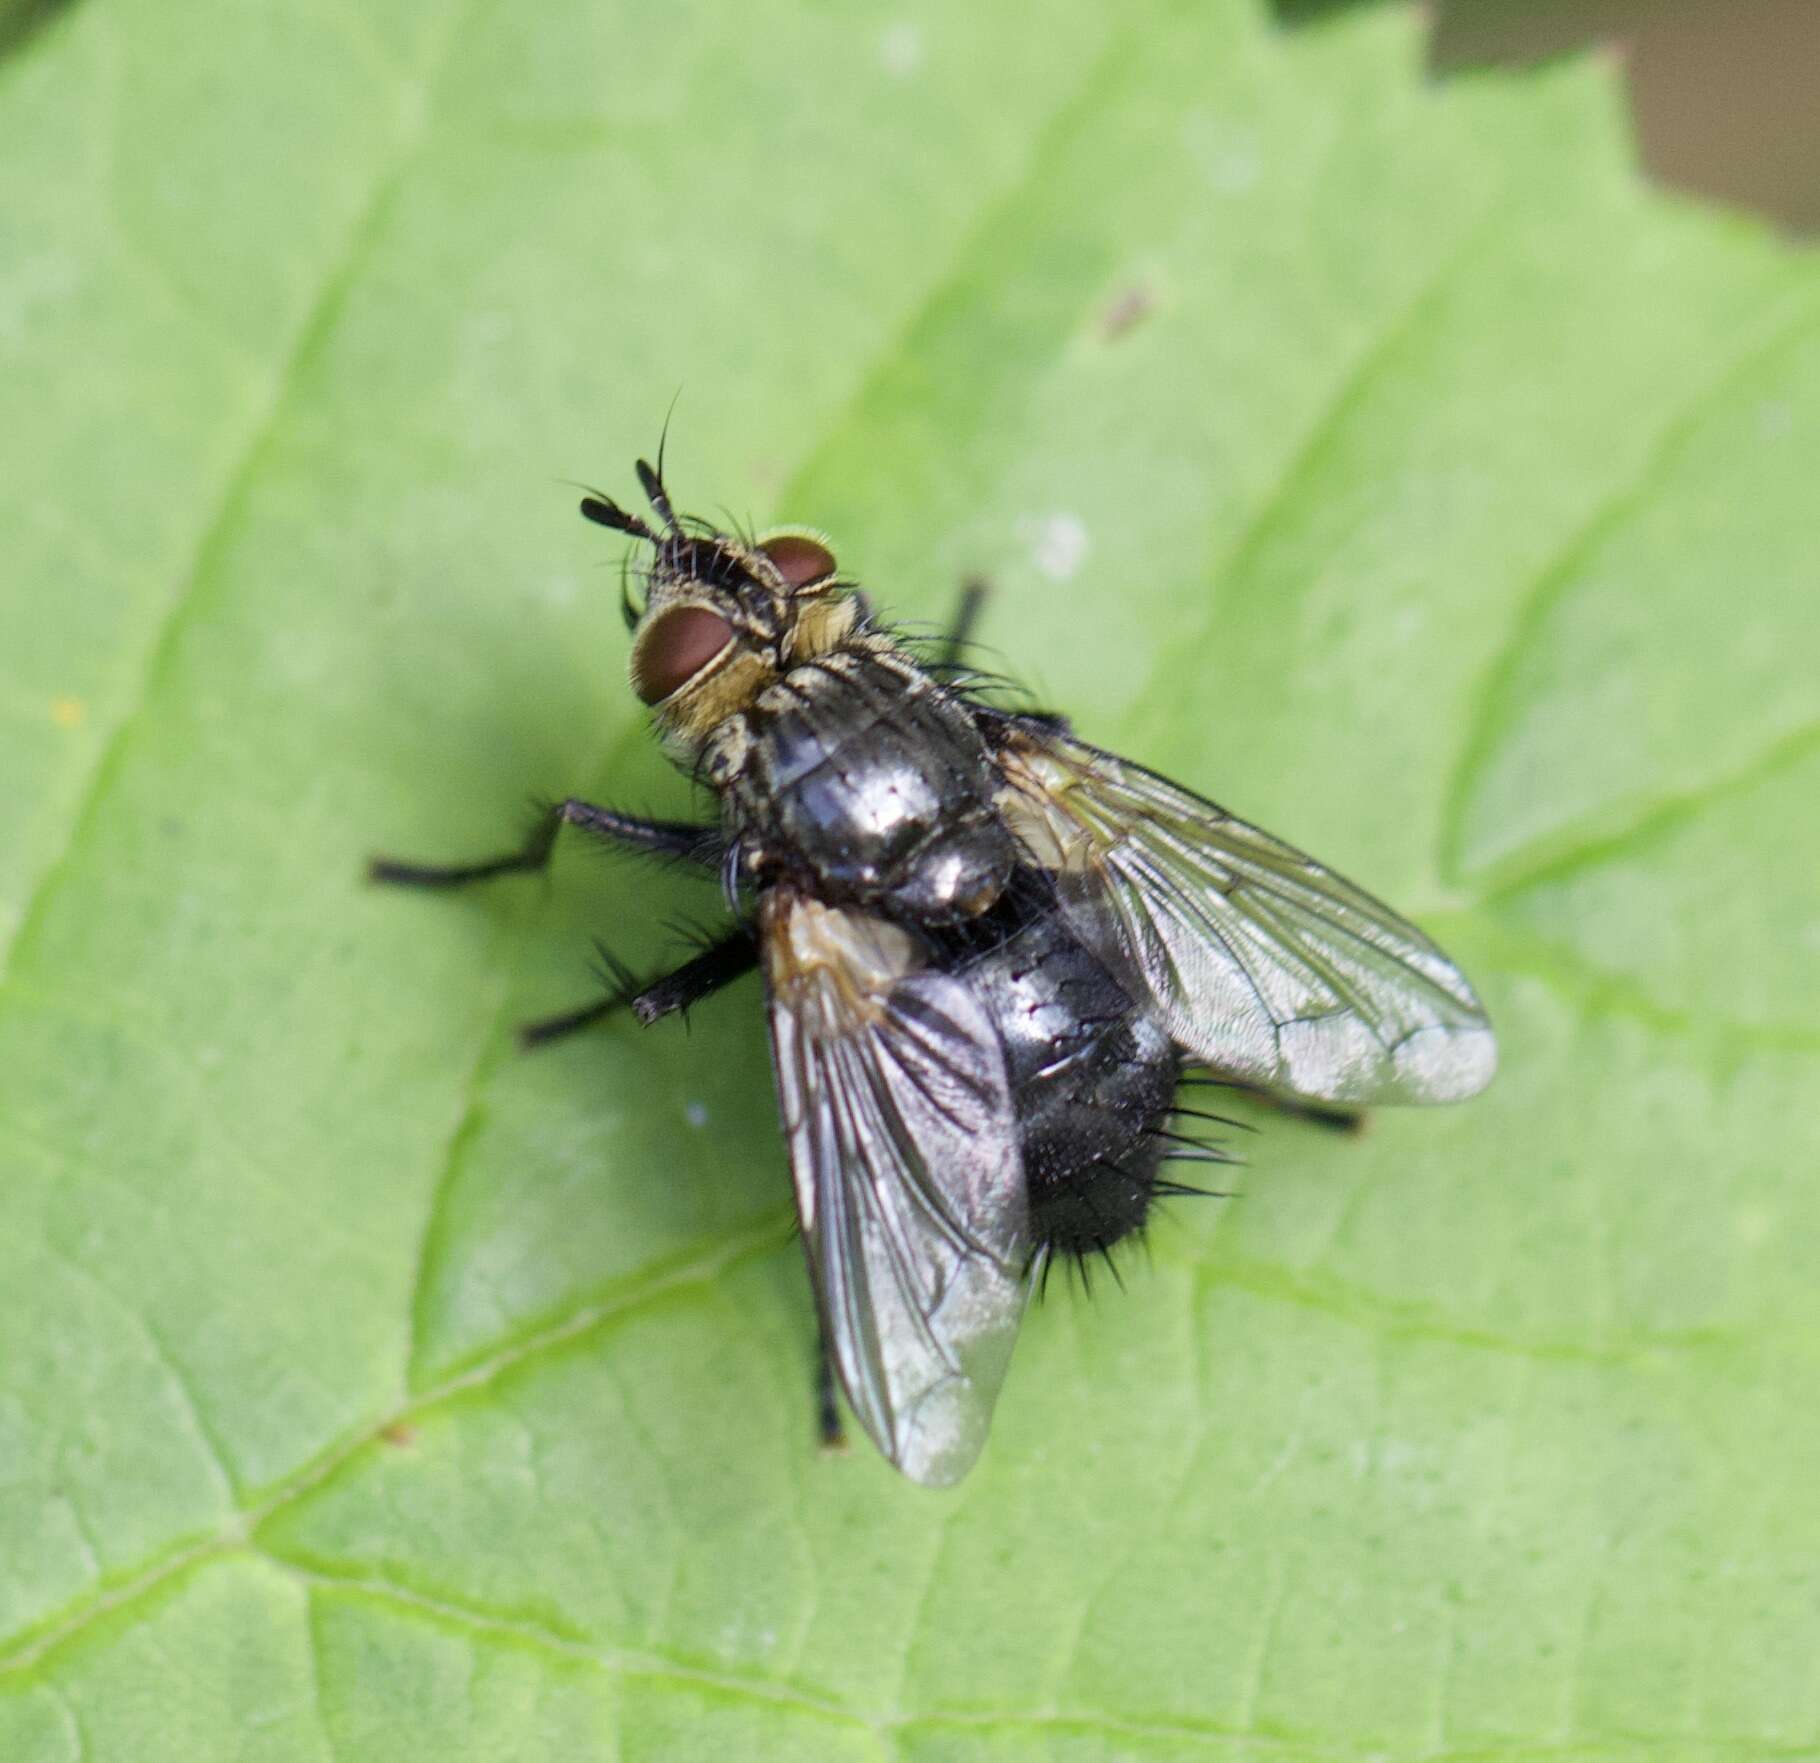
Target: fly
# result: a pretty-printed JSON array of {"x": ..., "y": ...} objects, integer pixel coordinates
[{"x": 991, "y": 952}]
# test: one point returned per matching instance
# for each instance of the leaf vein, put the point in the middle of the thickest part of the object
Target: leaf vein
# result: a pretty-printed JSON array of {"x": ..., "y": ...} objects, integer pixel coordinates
[
  {"x": 312, "y": 334},
  {"x": 1388, "y": 1318},
  {"x": 1661, "y": 817},
  {"x": 1494, "y": 701},
  {"x": 1351, "y": 388},
  {"x": 620, "y": 1662},
  {"x": 701, "y": 1268},
  {"x": 175, "y": 1375}
]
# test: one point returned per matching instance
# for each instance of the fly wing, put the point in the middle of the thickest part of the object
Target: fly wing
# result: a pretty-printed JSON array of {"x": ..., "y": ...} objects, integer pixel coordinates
[
  {"x": 909, "y": 1179},
  {"x": 1265, "y": 965}
]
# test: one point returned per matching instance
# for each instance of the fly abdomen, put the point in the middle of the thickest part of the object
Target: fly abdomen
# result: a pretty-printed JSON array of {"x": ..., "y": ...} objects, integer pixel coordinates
[
  {"x": 864, "y": 784},
  {"x": 1093, "y": 1077}
]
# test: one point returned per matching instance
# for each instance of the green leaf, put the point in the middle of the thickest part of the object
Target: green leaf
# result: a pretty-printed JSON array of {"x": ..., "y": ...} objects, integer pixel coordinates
[{"x": 1379, "y": 456}]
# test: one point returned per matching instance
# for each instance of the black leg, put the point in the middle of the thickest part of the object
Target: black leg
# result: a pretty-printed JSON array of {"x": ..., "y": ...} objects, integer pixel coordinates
[
  {"x": 1317, "y": 1113},
  {"x": 700, "y": 978},
  {"x": 664, "y": 838},
  {"x": 828, "y": 1426},
  {"x": 555, "y": 1028},
  {"x": 1335, "y": 1119},
  {"x": 966, "y": 618}
]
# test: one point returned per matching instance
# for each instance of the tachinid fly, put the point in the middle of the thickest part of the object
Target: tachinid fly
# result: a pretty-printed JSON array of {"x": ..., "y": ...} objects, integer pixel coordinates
[{"x": 990, "y": 953}]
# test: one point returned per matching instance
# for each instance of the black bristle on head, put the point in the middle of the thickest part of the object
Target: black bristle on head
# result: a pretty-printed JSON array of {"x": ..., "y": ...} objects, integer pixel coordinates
[
  {"x": 741, "y": 528},
  {"x": 628, "y": 609}
]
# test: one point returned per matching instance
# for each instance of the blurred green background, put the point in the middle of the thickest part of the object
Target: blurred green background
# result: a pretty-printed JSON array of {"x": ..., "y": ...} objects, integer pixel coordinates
[{"x": 1382, "y": 453}]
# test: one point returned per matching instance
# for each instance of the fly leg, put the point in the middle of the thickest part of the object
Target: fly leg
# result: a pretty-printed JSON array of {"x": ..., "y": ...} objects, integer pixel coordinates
[
  {"x": 716, "y": 966},
  {"x": 663, "y": 838},
  {"x": 966, "y": 620},
  {"x": 1350, "y": 1120},
  {"x": 828, "y": 1426},
  {"x": 951, "y": 658}
]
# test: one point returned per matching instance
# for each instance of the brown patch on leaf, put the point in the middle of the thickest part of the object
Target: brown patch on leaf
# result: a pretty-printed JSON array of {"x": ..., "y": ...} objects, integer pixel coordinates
[{"x": 1126, "y": 310}]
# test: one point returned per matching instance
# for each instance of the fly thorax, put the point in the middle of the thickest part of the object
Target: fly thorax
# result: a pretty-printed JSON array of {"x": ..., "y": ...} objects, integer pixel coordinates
[{"x": 724, "y": 754}]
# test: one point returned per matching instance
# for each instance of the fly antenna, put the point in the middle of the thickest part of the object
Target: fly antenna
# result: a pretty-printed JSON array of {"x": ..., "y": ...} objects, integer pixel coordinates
[
  {"x": 659, "y": 497},
  {"x": 604, "y": 511}
]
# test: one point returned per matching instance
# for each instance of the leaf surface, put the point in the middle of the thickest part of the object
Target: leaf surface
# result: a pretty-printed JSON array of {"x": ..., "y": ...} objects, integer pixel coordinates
[{"x": 1379, "y": 457}]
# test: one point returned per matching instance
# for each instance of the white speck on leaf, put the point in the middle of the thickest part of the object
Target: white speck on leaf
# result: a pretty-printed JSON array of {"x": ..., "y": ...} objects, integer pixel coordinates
[
  {"x": 1775, "y": 419},
  {"x": 1058, "y": 544},
  {"x": 1229, "y": 158},
  {"x": 32, "y": 286},
  {"x": 696, "y": 1113},
  {"x": 900, "y": 50}
]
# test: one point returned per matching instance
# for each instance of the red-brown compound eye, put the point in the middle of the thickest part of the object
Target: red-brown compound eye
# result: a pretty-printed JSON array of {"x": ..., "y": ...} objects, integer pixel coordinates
[
  {"x": 675, "y": 649},
  {"x": 800, "y": 559}
]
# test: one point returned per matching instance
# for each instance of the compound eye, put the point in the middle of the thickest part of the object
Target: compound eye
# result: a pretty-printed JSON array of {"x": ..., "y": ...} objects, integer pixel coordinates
[
  {"x": 675, "y": 649},
  {"x": 800, "y": 558}
]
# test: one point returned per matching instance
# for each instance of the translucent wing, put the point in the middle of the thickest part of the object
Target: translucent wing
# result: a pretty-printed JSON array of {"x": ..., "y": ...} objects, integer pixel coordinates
[
  {"x": 909, "y": 1179},
  {"x": 1266, "y": 965}
]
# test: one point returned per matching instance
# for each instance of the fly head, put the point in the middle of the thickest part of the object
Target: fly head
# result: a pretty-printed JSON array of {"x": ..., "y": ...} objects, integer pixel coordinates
[{"x": 723, "y": 614}]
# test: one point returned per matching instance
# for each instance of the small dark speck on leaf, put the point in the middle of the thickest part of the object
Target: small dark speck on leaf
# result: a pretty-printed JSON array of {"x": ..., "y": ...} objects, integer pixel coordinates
[
  {"x": 1128, "y": 309},
  {"x": 400, "y": 1435}
]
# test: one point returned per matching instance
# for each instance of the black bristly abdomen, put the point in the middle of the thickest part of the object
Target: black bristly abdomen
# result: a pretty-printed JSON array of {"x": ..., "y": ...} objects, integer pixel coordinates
[
  {"x": 1093, "y": 1074},
  {"x": 865, "y": 784}
]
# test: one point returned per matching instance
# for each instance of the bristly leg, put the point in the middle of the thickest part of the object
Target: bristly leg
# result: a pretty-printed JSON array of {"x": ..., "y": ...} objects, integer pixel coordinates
[
  {"x": 621, "y": 987},
  {"x": 700, "y": 977},
  {"x": 661, "y": 838},
  {"x": 717, "y": 965}
]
